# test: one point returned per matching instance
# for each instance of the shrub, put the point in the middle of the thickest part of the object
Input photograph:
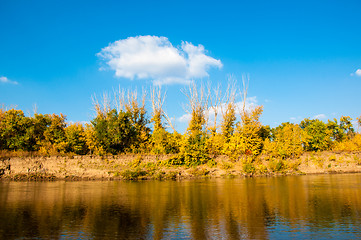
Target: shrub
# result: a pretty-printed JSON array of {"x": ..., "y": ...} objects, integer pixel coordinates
[
  {"x": 332, "y": 158},
  {"x": 349, "y": 144},
  {"x": 262, "y": 169},
  {"x": 227, "y": 165},
  {"x": 287, "y": 141},
  {"x": 276, "y": 165},
  {"x": 199, "y": 172},
  {"x": 248, "y": 167},
  {"x": 247, "y": 138},
  {"x": 136, "y": 162},
  {"x": 293, "y": 165},
  {"x": 133, "y": 174}
]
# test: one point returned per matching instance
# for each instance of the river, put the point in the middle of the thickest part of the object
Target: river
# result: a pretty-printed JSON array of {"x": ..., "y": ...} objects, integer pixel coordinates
[{"x": 298, "y": 207}]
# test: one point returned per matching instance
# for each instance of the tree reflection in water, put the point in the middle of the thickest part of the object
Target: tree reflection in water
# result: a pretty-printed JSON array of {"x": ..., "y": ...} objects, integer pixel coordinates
[{"x": 278, "y": 207}]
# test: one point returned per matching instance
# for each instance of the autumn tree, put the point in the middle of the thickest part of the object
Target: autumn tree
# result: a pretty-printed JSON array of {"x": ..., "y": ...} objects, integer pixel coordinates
[
  {"x": 229, "y": 121},
  {"x": 220, "y": 135},
  {"x": 76, "y": 139},
  {"x": 135, "y": 106},
  {"x": 92, "y": 142},
  {"x": 351, "y": 141},
  {"x": 287, "y": 141},
  {"x": 246, "y": 138},
  {"x": 193, "y": 149},
  {"x": 54, "y": 141},
  {"x": 162, "y": 142}
]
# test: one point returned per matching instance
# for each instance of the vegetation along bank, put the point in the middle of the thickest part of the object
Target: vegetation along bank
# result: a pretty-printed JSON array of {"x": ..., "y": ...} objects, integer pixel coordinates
[{"x": 224, "y": 137}]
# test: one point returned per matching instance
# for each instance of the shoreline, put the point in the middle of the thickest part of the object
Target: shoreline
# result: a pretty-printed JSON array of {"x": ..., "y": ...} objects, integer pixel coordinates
[{"x": 156, "y": 167}]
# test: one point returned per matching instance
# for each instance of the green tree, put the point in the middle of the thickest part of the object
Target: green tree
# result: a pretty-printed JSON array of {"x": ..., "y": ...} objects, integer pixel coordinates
[
  {"x": 138, "y": 118},
  {"x": 337, "y": 133},
  {"x": 265, "y": 132},
  {"x": 193, "y": 151},
  {"x": 35, "y": 132},
  {"x": 13, "y": 129},
  {"x": 318, "y": 135},
  {"x": 160, "y": 138},
  {"x": 114, "y": 131},
  {"x": 346, "y": 125}
]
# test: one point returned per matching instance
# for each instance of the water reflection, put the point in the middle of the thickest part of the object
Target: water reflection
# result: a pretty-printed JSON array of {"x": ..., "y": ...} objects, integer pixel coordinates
[{"x": 323, "y": 206}]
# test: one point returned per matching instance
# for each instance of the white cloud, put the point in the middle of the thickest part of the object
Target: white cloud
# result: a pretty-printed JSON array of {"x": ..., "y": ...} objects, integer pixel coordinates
[
  {"x": 81, "y": 122},
  {"x": 185, "y": 118},
  {"x": 155, "y": 58},
  {"x": 6, "y": 80},
  {"x": 320, "y": 116},
  {"x": 358, "y": 72},
  {"x": 354, "y": 123},
  {"x": 296, "y": 119}
]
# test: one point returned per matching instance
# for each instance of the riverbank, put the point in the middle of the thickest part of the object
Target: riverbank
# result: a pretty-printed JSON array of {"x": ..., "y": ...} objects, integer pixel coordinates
[{"x": 139, "y": 167}]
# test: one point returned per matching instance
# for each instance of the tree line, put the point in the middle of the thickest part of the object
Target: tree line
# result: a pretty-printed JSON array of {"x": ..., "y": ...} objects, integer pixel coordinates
[{"x": 219, "y": 125}]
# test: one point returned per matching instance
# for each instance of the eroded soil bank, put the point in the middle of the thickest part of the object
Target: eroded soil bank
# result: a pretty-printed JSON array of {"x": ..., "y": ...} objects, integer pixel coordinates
[{"x": 136, "y": 167}]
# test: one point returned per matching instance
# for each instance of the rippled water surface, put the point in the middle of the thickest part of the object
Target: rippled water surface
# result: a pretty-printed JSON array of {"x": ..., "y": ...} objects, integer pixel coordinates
[{"x": 298, "y": 207}]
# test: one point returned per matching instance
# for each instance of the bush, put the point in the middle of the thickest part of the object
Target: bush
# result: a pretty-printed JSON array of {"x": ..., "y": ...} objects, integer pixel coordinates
[
  {"x": 248, "y": 167},
  {"x": 332, "y": 158},
  {"x": 136, "y": 162},
  {"x": 227, "y": 165},
  {"x": 262, "y": 169},
  {"x": 350, "y": 144},
  {"x": 133, "y": 174},
  {"x": 276, "y": 165},
  {"x": 287, "y": 141},
  {"x": 199, "y": 172},
  {"x": 293, "y": 165},
  {"x": 193, "y": 151}
]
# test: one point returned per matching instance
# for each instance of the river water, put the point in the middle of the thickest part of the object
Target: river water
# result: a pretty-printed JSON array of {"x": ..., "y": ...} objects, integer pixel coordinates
[{"x": 298, "y": 207}]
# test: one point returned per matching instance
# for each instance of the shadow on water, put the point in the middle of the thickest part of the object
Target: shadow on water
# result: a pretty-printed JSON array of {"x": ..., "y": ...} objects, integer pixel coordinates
[{"x": 322, "y": 206}]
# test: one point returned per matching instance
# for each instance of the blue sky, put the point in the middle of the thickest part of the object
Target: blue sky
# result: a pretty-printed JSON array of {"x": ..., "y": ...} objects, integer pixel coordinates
[{"x": 302, "y": 56}]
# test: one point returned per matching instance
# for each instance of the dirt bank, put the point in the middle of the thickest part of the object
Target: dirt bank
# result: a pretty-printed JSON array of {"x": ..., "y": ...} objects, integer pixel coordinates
[{"x": 157, "y": 167}]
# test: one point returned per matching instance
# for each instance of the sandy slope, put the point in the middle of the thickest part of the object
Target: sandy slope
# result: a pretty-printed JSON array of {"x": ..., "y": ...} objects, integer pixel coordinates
[{"x": 113, "y": 167}]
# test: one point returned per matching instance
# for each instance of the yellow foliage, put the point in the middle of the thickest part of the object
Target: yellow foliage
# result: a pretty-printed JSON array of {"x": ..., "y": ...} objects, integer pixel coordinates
[
  {"x": 76, "y": 138},
  {"x": 246, "y": 139},
  {"x": 92, "y": 142},
  {"x": 215, "y": 143},
  {"x": 288, "y": 140},
  {"x": 54, "y": 141},
  {"x": 229, "y": 118},
  {"x": 352, "y": 144},
  {"x": 196, "y": 124}
]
